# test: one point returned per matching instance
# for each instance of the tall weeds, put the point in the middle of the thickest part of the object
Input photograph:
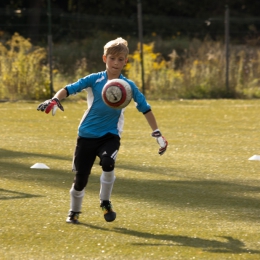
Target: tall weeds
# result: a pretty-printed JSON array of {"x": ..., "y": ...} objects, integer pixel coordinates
[
  {"x": 23, "y": 73},
  {"x": 199, "y": 72}
]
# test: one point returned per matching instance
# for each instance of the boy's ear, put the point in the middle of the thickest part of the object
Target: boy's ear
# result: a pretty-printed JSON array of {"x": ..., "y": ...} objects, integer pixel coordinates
[{"x": 104, "y": 58}]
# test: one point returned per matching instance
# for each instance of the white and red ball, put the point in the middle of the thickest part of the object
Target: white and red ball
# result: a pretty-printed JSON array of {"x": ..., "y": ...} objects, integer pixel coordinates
[{"x": 117, "y": 93}]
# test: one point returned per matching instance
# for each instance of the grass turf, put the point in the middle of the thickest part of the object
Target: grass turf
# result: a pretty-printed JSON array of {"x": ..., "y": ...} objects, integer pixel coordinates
[{"x": 201, "y": 200}]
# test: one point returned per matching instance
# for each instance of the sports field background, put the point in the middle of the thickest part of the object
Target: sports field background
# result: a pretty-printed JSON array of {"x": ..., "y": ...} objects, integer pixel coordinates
[{"x": 200, "y": 200}]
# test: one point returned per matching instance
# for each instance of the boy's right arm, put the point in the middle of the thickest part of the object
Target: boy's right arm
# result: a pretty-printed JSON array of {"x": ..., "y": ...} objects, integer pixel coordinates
[
  {"x": 61, "y": 94},
  {"x": 52, "y": 104}
]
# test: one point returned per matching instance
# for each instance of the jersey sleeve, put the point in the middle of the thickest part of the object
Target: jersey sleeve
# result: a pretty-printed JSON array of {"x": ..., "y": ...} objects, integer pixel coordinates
[
  {"x": 140, "y": 100},
  {"x": 81, "y": 84}
]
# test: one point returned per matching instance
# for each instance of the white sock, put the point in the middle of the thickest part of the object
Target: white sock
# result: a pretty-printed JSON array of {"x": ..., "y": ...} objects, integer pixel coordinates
[
  {"x": 76, "y": 198},
  {"x": 106, "y": 185}
]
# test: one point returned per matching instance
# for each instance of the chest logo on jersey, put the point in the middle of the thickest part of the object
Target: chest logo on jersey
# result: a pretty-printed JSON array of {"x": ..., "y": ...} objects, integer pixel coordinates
[{"x": 100, "y": 79}]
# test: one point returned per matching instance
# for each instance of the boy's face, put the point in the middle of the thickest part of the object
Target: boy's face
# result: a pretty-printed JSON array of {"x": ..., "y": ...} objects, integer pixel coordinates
[{"x": 115, "y": 63}]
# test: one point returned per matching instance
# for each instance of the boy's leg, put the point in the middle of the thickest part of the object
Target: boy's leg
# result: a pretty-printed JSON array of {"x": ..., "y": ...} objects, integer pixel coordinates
[
  {"x": 107, "y": 154},
  {"x": 106, "y": 185},
  {"x": 76, "y": 198},
  {"x": 107, "y": 180},
  {"x": 83, "y": 161}
]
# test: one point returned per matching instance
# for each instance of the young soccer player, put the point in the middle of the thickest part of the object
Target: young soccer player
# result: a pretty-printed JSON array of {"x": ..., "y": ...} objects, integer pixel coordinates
[{"x": 100, "y": 129}]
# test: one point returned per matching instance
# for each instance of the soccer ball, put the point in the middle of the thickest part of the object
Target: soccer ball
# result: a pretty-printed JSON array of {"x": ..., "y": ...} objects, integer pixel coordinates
[{"x": 117, "y": 93}]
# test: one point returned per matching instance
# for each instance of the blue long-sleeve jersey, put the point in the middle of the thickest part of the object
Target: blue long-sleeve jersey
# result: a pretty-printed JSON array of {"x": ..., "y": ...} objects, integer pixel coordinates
[{"x": 99, "y": 119}]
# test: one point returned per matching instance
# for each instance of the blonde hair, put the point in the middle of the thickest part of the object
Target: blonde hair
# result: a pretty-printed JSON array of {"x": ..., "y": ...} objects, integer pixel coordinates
[{"x": 117, "y": 46}]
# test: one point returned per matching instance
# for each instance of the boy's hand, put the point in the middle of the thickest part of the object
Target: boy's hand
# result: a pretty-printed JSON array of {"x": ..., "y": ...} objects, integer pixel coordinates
[
  {"x": 161, "y": 141},
  {"x": 50, "y": 104}
]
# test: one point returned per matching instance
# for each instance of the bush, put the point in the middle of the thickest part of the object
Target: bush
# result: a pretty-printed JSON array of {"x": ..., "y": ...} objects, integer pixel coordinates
[
  {"x": 23, "y": 70},
  {"x": 198, "y": 72}
]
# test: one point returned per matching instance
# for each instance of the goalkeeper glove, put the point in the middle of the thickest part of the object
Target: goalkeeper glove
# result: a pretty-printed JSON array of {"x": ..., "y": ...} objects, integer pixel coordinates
[
  {"x": 50, "y": 104},
  {"x": 160, "y": 140}
]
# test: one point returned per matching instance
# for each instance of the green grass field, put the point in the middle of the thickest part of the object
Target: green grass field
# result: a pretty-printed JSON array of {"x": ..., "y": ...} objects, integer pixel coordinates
[{"x": 200, "y": 200}]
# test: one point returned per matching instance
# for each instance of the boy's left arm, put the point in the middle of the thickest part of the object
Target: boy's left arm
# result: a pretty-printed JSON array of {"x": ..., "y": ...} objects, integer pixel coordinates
[{"x": 156, "y": 132}]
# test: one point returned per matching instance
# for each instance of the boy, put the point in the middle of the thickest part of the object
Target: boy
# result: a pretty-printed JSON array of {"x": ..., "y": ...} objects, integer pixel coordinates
[{"x": 100, "y": 129}]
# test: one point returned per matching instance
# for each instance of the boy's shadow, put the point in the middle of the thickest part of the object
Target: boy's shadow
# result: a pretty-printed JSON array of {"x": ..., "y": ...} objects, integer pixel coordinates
[
  {"x": 230, "y": 245},
  {"x": 10, "y": 195}
]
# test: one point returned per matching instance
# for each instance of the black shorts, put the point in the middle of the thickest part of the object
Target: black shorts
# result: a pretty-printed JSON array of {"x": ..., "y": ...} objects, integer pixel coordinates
[{"x": 87, "y": 149}]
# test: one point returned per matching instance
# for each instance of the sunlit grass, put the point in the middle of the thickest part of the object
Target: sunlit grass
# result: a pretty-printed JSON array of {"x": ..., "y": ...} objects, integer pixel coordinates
[{"x": 198, "y": 201}]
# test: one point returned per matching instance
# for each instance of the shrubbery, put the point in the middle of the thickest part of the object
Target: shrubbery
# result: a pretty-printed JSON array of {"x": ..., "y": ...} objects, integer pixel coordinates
[
  {"x": 198, "y": 71},
  {"x": 23, "y": 71}
]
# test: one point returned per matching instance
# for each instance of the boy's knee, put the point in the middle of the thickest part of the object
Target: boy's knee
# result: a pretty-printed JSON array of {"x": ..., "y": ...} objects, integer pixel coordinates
[
  {"x": 107, "y": 164},
  {"x": 79, "y": 186},
  {"x": 80, "y": 181}
]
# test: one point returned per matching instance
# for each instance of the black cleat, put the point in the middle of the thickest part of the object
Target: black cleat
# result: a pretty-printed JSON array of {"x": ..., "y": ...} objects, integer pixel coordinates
[
  {"x": 109, "y": 214},
  {"x": 73, "y": 217}
]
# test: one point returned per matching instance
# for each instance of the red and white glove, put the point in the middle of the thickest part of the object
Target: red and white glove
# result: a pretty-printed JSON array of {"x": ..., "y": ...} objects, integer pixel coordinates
[
  {"x": 160, "y": 140},
  {"x": 50, "y": 104}
]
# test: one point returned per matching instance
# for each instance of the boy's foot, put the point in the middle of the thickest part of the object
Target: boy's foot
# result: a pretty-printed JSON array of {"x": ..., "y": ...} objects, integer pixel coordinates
[
  {"x": 109, "y": 214},
  {"x": 73, "y": 217}
]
